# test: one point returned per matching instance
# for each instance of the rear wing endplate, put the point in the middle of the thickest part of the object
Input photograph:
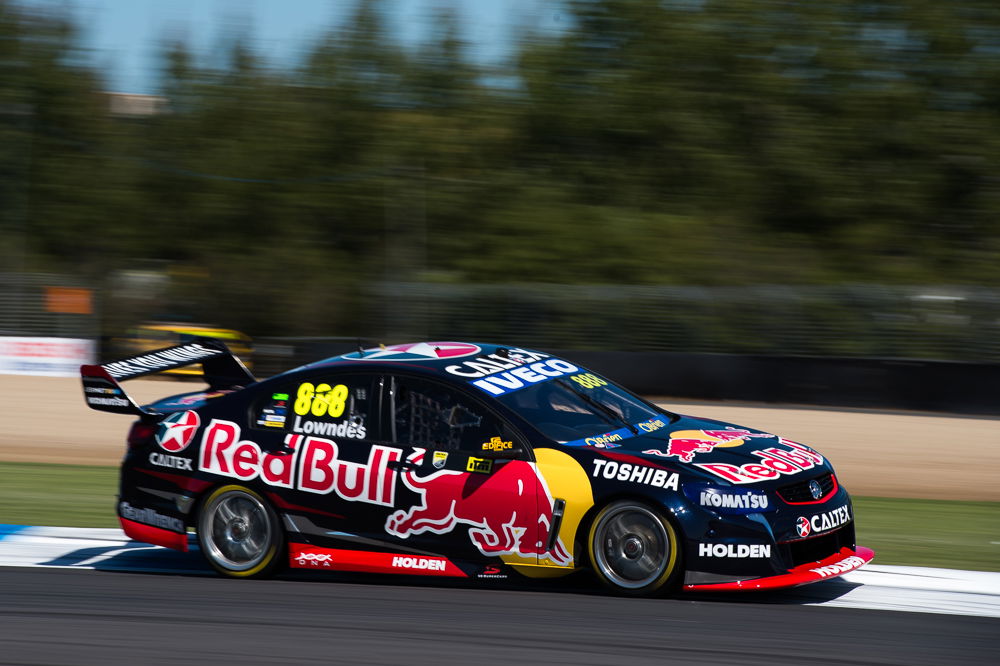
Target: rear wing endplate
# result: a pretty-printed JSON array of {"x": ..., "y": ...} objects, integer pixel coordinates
[{"x": 222, "y": 370}]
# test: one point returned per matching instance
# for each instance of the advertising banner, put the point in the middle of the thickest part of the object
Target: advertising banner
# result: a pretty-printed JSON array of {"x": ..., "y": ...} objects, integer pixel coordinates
[{"x": 50, "y": 357}]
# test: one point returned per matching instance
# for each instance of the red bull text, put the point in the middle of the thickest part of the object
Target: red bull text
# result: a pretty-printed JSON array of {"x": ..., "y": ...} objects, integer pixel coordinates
[
  {"x": 774, "y": 462},
  {"x": 321, "y": 470}
]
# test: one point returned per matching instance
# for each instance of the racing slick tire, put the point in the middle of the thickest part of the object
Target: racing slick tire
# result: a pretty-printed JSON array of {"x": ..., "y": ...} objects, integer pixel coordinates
[
  {"x": 239, "y": 533},
  {"x": 634, "y": 550}
]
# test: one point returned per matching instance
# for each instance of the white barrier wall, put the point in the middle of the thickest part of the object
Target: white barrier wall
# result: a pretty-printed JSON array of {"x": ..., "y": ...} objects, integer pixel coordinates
[{"x": 47, "y": 357}]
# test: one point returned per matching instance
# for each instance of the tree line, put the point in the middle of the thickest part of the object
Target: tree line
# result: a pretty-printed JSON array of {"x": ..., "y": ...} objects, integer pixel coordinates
[{"x": 687, "y": 142}]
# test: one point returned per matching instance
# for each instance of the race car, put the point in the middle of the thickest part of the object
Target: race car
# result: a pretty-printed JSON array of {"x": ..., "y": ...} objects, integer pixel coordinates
[{"x": 467, "y": 460}]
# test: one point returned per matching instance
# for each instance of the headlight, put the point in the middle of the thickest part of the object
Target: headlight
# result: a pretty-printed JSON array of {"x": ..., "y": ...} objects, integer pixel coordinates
[{"x": 728, "y": 500}]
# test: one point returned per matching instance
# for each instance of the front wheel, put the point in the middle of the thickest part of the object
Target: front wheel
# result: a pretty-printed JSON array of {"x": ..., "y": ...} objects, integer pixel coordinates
[
  {"x": 239, "y": 533},
  {"x": 633, "y": 549}
]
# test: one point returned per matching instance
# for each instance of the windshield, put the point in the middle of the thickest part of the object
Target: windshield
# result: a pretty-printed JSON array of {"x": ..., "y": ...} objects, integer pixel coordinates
[{"x": 583, "y": 410}]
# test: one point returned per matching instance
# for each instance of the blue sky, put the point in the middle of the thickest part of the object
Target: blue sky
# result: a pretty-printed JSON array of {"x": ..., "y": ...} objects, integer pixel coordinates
[{"x": 125, "y": 35}]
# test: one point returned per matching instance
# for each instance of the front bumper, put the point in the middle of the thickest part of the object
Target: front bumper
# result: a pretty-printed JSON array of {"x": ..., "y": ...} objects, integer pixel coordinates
[{"x": 848, "y": 559}]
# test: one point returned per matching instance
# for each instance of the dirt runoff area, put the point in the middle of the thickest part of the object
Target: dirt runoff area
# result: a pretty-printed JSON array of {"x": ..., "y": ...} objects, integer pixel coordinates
[{"x": 887, "y": 454}]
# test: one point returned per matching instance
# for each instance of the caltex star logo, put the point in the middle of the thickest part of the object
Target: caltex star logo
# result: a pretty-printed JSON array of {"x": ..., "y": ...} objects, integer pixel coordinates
[
  {"x": 802, "y": 526},
  {"x": 177, "y": 430},
  {"x": 416, "y": 351}
]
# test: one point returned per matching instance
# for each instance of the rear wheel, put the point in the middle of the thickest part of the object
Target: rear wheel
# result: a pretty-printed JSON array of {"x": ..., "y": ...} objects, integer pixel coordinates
[
  {"x": 239, "y": 533},
  {"x": 634, "y": 549}
]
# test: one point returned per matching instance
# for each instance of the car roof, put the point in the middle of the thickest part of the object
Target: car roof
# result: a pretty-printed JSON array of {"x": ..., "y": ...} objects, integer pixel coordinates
[{"x": 427, "y": 356}]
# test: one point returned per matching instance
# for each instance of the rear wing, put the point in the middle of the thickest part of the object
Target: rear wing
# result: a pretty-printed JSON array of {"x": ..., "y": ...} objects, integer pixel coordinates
[{"x": 222, "y": 370}]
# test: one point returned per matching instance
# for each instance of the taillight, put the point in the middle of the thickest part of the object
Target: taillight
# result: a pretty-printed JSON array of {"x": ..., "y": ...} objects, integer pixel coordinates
[{"x": 140, "y": 433}]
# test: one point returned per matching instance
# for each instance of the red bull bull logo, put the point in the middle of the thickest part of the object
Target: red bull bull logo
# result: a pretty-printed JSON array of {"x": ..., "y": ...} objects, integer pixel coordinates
[
  {"x": 509, "y": 511},
  {"x": 683, "y": 448},
  {"x": 685, "y": 444}
]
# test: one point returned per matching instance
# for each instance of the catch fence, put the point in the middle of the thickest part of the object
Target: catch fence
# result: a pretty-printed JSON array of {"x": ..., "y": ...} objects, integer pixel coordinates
[
  {"x": 855, "y": 321},
  {"x": 47, "y": 305}
]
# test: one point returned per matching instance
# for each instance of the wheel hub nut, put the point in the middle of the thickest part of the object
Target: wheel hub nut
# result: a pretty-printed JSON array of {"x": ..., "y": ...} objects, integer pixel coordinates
[
  {"x": 632, "y": 547},
  {"x": 238, "y": 529}
]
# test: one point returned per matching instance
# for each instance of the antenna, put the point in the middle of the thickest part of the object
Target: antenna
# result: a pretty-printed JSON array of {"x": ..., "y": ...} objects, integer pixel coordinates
[{"x": 361, "y": 350}]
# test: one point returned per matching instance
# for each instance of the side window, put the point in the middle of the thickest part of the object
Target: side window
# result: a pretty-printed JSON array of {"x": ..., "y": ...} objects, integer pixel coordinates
[
  {"x": 337, "y": 406},
  {"x": 431, "y": 415}
]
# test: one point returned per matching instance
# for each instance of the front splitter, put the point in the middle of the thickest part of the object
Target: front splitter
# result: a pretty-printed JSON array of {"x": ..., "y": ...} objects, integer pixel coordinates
[{"x": 812, "y": 572}]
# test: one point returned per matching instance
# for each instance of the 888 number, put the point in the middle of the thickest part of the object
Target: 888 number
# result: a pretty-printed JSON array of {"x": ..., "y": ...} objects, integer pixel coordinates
[
  {"x": 320, "y": 400},
  {"x": 589, "y": 380}
]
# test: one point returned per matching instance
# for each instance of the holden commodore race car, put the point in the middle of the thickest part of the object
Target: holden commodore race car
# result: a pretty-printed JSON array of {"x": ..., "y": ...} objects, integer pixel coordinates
[{"x": 470, "y": 461}]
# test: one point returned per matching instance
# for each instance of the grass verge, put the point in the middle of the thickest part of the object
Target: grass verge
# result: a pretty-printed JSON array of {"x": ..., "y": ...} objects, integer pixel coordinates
[
  {"x": 930, "y": 533},
  {"x": 64, "y": 495}
]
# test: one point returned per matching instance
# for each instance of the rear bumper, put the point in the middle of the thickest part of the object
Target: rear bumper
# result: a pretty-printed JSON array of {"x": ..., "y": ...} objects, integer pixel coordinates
[
  {"x": 154, "y": 535},
  {"x": 848, "y": 559}
]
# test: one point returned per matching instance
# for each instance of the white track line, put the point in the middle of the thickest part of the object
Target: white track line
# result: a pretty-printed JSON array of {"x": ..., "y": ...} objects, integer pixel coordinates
[
  {"x": 875, "y": 587},
  {"x": 920, "y": 590},
  {"x": 90, "y": 548}
]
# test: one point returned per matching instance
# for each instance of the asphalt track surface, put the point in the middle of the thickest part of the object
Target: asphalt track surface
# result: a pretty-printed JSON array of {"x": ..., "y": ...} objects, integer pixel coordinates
[{"x": 62, "y": 616}]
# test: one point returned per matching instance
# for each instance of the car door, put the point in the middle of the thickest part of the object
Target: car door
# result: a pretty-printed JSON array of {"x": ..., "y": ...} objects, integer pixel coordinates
[
  {"x": 468, "y": 486},
  {"x": 326, "y": 423}
]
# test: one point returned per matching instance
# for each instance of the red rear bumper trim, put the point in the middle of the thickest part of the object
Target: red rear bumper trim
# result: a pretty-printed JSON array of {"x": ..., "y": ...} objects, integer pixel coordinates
[
  {"x": 154, "y": 535},
  {"x": 836, "y": 565}
]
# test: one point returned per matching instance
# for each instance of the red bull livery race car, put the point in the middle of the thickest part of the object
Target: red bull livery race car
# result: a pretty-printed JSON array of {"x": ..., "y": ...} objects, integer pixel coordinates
[{"x": 471, "y": 461}]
